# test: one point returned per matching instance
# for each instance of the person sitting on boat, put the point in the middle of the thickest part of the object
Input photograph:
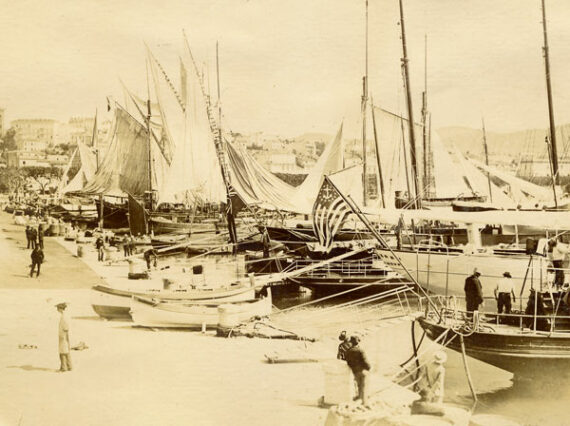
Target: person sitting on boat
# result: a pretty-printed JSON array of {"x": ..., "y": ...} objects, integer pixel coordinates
[
  {"x": 432, "y": 389},
  {"x": 344, "y": 346},
  {"x": 473, "y": 292},
  {"x": 358, "y": 362},
  {"x": 505, "y": 288},
  {"x": 536, "y": 308},
  {"x": 559, "y": 251}
]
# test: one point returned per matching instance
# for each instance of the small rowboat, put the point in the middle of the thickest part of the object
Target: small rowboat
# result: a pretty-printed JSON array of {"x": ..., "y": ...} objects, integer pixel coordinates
[
  {"x": 162, "y": 314},
  {"x": 115, "y": 304}
]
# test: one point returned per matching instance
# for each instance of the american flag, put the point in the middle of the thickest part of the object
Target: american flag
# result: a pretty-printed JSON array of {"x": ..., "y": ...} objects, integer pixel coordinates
[{"x": 329, "y": 211}]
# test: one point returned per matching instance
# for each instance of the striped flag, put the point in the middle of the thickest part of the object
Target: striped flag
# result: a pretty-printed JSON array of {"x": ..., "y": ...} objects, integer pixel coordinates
[
  {"x": 329, "y": 212},
  {"x": 234, "y": 201}
]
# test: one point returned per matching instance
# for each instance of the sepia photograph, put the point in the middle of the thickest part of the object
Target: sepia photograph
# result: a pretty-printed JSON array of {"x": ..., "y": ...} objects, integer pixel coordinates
[{"x": 301, "y": 212}]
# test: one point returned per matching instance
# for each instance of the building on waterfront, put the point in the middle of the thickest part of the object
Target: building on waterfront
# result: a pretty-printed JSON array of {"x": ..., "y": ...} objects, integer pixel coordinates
[
  {"x": 20, "y": 159},
  {"x": 284, "y": 163},
  {"x": 35, "y": 134}
]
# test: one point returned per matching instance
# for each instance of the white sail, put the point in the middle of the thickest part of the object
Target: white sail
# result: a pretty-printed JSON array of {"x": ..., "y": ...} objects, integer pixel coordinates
[
  {"x": 448, "y": 176},
  {"x": 538, "y": 192},
  {"x": 330, "y": 161},
  {"x": 479, "y": 183}
]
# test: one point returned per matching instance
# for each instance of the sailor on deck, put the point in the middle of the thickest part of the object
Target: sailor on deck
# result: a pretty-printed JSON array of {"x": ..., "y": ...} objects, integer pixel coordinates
[
  {"x": 505, "y": 288},
  {"x": 559, "y": 251},
  {"x": 473, "y": 291}
]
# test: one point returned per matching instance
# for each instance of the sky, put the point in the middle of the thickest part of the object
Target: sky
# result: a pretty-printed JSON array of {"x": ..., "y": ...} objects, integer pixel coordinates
[{"x": 295, "y": 66}]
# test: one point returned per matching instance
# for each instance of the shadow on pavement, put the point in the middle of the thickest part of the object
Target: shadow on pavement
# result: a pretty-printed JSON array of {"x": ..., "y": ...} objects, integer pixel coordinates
[{"x": 32, "y": 368}]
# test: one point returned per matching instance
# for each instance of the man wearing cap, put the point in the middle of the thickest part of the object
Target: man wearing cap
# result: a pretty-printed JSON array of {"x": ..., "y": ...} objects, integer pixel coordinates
[
  {"x": 358, "y": 363},
  {"x": 473, "y": 292},
  {"x": 505, "y": 288},
  {"x": 64, "y": 356}
]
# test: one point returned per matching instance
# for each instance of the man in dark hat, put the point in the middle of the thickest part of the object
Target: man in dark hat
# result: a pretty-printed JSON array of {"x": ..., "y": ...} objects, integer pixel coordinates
[
  {"x": 473, "y": 292},
  {"x": 64, "y": 347},
  {"x": 505, "y": 288},
  {"x": 358, "y": 363},
  {"x": 37, "y": 260}
]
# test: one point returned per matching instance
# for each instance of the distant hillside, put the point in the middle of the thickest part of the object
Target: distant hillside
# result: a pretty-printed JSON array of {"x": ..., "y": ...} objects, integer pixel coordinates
[{"x": 527, "y": 142}]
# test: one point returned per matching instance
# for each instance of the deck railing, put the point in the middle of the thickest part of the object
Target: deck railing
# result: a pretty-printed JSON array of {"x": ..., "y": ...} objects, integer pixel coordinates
[{"x": 358, "y": 268}]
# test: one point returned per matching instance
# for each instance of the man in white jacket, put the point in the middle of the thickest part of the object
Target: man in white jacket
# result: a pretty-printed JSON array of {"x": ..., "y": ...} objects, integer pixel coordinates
[{"x": 559, "y": 251}]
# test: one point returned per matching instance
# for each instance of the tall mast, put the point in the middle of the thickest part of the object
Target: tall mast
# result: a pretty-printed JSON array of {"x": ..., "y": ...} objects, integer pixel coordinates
[
  {"x": 363, "y": 106},
  {"x": 413, "y": 159},
  {"x": 220, "y": 149},
  {"x": 377, "y": 143},
  {"x": 424, "y": 118},
  {"x": 148, "y": 116},
  {"x": 95, "y": 142},
  {"x": 487, "y": 159},
  {"x": 405, "y": 157},
  {"x": 553, "y": 151}
]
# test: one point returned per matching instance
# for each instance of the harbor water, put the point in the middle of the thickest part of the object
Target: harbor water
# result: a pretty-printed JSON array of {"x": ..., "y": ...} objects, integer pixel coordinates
[{"x": 388, "y": 343}]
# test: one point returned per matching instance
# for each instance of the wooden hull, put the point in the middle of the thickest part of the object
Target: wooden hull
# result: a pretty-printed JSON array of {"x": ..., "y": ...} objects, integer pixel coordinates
[
  {"x": 444, "y": 272},
  {"x": 145, "y": 313},
  {"x": 115, "y": 304},
  {"x": 524, "y": 354},
  {"x": 296, "y": 236},
  {"x": 114, "y": 215}
]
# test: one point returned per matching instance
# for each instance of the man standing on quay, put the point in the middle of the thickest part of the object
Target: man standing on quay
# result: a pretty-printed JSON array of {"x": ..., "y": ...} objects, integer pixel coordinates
[
  {"x": 358, "y": 363},
  {"x": 64, "y": 347},
  {"x": 37, "y": 260}
]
